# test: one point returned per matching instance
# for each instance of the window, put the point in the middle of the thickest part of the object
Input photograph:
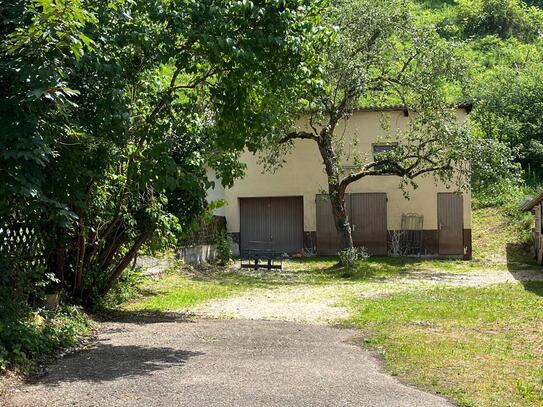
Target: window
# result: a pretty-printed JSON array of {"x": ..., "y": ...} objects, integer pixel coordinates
[{"x": 382, "y": 148}]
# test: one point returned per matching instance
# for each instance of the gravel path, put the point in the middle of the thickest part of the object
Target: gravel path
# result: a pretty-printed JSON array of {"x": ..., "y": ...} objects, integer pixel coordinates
[
  {"x": 322, "y": 304},
  {"x": 220, "y": 363},
  {"x": 309, "y": 304}
]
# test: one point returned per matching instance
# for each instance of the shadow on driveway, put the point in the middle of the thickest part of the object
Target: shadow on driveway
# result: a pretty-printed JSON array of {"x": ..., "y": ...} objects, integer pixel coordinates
[
  {"x": 143, "y": 317},
  {"x": 106, "y": 362}
]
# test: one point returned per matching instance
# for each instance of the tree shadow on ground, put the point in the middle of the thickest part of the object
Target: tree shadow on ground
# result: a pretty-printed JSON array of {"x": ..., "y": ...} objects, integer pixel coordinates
[
  {"x": 142, "y": 317},
  {"x": 107, "y": 362},
  {"x": 524, "y": 268}
]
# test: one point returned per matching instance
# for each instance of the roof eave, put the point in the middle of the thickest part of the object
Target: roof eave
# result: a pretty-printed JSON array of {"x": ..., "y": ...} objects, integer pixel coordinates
[{"x": 528, "y": 206}]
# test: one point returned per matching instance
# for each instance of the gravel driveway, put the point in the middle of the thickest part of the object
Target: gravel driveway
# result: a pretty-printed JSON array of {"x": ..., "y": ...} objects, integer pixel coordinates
[{"x": 174, "y": 362}]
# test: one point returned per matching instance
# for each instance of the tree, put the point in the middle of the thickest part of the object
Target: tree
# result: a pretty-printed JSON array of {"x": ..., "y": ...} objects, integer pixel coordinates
[
  {"x": 503, "y": 18},
  {"x": 147, "y": 94},
  {"x": 510, "y": 109},
  {"x": 380, "y": 56}
]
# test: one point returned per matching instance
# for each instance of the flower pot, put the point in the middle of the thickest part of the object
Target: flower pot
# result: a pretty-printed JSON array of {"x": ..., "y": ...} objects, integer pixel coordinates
[{"x": 52, "y": 300}]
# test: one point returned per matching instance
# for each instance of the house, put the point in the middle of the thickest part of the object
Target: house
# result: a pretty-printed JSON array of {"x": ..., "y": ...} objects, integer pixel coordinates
[
  {"x": 536, "y": 207},
  {"x": 289, "y": 209}
]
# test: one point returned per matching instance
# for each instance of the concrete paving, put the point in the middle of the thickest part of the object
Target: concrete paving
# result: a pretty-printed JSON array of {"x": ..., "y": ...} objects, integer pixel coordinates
[{"x": 174, "y": 362}]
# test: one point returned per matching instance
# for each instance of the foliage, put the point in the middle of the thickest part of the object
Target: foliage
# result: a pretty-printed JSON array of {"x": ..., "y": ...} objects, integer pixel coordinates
[
  {"x": 27, "y": 336},
  {"x": 502, "y": 46},
  {"x": 124, "y": 289},
  {"x": 349, "y": 257},
  {"x": 503, "y": 18},
  {"x": 510, "y": 109},
  {"x": 113, "y": 111},
  {"x": 224, "y": 251}
]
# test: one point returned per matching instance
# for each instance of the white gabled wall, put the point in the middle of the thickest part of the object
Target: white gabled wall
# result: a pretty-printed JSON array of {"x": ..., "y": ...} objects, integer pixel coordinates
[{"x": 303, "y": 175}]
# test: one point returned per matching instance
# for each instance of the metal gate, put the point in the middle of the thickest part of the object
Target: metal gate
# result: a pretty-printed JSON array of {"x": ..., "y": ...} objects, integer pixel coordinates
[
  {"x": 278, "y": 222},
  {"x": 450, "y": 223}
]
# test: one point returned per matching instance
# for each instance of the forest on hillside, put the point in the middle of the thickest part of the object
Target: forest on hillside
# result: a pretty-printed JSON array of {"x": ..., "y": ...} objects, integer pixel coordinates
[{"x": 500, "y": 42}]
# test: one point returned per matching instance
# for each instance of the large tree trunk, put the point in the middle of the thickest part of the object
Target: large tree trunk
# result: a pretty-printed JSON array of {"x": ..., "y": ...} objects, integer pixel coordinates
[
  {"x": 336, "y": 192},
  {"x": 125, "y": 261},
  {"x": 341, "y": 218}
]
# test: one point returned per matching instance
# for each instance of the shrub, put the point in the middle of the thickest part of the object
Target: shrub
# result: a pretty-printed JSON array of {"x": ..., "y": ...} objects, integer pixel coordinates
[
  {"x": 224, "y": 251},
  {"x": 123, "y": 290},
  {"x": 348, "y": 257},
  {"x": 26, "y": 337}
]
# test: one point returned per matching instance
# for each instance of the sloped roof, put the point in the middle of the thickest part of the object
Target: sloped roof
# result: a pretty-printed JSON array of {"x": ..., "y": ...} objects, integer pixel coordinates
[
  {"x": 384, "y": 108},
  {"x": 528, "y": 206}
]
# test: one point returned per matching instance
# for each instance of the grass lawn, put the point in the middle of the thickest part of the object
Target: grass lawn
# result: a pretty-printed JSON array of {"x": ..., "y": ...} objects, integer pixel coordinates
[
  {"x": 181, "y": 290},
  {"x": 480, "y": 346}
]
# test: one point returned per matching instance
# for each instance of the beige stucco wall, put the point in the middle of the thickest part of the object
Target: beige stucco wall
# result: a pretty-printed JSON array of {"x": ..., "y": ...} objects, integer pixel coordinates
[{"x": 303, "y": 175}]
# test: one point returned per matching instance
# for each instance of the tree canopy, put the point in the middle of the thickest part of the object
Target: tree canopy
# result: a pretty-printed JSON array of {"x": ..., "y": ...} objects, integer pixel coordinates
[
  {"x": 502, "y": 45},
  {"x": 113, "y": 110}
]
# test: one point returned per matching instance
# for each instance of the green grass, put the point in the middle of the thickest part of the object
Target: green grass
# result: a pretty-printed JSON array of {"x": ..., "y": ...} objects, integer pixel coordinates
[
  {"x": 480, "y": 346},
  {"x": 181, "y": 290},
  {"x": 176, "y": 291},
  {"x": 500, "y": 238}
]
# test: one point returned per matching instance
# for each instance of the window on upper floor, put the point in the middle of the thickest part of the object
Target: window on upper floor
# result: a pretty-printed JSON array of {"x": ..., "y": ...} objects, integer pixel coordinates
[{"x": 382, "y": 148}]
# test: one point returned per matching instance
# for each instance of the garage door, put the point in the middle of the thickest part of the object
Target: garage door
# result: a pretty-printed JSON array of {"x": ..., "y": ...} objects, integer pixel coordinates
[
  {"x": 368, "y": 216},
  {"x": 450, "y": 208},
  {"x": 278, "y": 222},
  {"x": 369, "y": 222}
]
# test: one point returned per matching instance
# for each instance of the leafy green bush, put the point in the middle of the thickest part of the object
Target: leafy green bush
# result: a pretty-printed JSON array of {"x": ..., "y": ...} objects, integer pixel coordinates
[
  {"x": 348, "y": 257},
  {"x": 508, "y": 196},
  {"x": 123, "y": 290},
  {"x": 224, "y": 251},
  {"x": 27, "y": 336}
]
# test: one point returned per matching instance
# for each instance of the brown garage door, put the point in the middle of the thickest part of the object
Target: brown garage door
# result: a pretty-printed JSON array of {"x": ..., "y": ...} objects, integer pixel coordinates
[
  {"x": 369, "y": 222},
  {"x": 279, "y": 221},
  {"x": 450, "y": 217},
  {"x": 328, "y": 239},
  {"x": 368, "y": 216}
]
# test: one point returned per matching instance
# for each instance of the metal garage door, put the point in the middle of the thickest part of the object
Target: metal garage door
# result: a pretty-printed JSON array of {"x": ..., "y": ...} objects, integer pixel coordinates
[
  {"x": 450, "y": 209},
  {"x": 368, "y": 216},
  {"x": 328, "y": 239},
  {"x": 369, "y": 222},
  {"x": 279, "y": 221}
]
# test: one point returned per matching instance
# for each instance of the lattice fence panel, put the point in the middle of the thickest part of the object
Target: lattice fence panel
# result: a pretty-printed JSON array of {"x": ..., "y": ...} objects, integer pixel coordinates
[{"x": 21, "y": 245}]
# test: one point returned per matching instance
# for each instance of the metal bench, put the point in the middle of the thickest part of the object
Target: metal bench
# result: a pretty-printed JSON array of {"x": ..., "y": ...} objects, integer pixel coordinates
[{"x": 259, "y": 254}]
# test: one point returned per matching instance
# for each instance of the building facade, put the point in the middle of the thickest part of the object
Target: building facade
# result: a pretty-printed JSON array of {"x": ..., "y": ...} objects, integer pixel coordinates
[{"x": 289, "y": 208}]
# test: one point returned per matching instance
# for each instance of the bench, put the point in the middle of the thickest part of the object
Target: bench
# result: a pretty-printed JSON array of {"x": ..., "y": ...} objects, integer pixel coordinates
[{"x": 259, "y": 254}]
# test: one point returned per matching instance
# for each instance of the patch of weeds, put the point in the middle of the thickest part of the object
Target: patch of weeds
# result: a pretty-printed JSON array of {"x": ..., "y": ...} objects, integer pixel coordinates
[
  {"x": 125, "y": 289},
  {"x": 500, "y": 236},
  {"x": 26, "y": 338},
  {"x": 224, "y": 251}
]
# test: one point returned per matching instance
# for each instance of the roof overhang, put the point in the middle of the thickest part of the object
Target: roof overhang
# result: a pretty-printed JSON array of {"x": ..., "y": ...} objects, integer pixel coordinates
[
  {"x": 528, "y": 206},
  {"x": 467, "y": 107}
]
